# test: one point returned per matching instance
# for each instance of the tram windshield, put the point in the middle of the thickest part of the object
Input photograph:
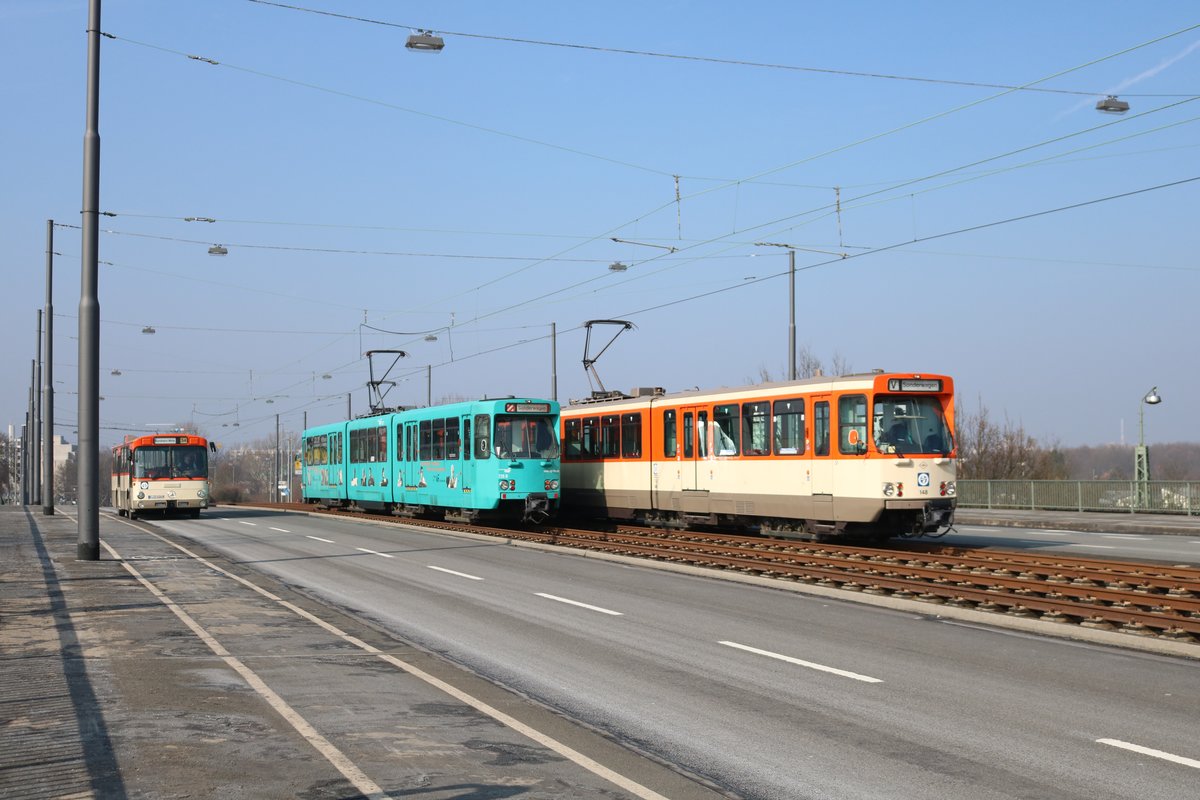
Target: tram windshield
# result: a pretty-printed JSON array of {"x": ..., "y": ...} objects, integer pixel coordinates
[
  {"x": 190, "y": 461},
  {"x": 525, "y": 436},
  {"x": 907, "y": 424}
]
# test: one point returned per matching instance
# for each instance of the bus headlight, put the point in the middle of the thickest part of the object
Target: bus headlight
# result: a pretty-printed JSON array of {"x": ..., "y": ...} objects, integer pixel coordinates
[{"x": 144, "y": 485}]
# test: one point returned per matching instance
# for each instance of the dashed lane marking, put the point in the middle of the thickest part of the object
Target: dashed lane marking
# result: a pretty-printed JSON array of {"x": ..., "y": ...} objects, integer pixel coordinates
[
  {"x": 1095, "y": 546},
  {"x": 808, "y": 664},
  {"x": 581, "y": 605},
  {"x": 281, "y": 530},
  {"x": 319, "y": 539},
  {"x": 373, "y": 552},
  {"x": 251, "y": 524},
  {"x": 1147, "y": 751},
  {"x": 452, "y": 572}
]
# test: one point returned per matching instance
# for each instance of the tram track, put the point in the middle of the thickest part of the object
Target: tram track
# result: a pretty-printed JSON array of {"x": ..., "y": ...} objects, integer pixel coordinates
[{"x": 1131, "y": 597}]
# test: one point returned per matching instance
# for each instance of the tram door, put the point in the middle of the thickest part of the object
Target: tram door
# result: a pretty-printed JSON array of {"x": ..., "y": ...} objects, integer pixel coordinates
[
  {"x": 693, "y": 437},
  {"x": 823, "y": 462},
  {"x": 412, "y": 464}
]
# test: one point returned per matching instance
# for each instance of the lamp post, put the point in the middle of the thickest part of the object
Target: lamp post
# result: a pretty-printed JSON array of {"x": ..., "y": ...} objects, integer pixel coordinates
[
  {"x": 48, "y": 385},
  {"x": 791, "y": 305},
  {"x": 1141, "y": 456}
]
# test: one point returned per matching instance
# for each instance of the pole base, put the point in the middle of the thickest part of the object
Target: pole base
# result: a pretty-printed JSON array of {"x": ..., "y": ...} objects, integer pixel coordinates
[{"x": 87, "y": 552}]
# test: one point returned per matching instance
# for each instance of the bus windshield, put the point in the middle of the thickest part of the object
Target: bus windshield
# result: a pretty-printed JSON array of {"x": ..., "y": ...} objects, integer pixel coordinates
[
  {"x": 190, "y": 461},
  {"x": 525, "y": 436},
  {"x": 908, "y": 424}
]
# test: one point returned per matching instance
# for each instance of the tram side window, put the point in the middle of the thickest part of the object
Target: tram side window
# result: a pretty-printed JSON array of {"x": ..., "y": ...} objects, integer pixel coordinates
[
  {"x": 425, "y": 436},
  {"x": 439, "y": 439},
  {"x": 689, "y": 434},
  {"x": 336, "y": 448},
  {"x": 610, "y": 436},
  {"x": 852, "y": 424},
  {"x": 670, "y": 434},
  {"x": 381, "y": 445},
  {"x": 821, "y": 428},
  {"x": 466, "y": 437},
  {"x": 589, "y": 440},
  {"x": 483, "y": 426},
  {"x": 756, "y": 427},
  {"x": 702, "y": 434},
  {"x": 573, "y": 436},
  {"x": 725, "y": 430},
  {"x": 358, "y": 446},
  {"x": 452, "y": 438},
  {"x": 789, "y": 427},
  {"x": 631, "y": 435}
]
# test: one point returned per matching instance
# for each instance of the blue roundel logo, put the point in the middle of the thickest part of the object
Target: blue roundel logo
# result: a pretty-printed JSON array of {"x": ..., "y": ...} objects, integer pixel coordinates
[{"x": 922, "y": 479}]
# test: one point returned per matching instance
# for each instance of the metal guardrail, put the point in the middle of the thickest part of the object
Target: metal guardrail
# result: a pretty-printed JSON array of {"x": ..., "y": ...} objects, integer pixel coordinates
[{"x": 1156, "y": 497}]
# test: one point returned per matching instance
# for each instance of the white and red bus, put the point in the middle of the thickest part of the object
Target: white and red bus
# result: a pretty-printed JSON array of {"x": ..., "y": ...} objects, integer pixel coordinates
[{"x": 166, "y": 473}]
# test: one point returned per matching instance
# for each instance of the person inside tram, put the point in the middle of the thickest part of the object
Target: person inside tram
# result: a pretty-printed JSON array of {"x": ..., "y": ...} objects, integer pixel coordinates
[{"x": 897, "y": 436}]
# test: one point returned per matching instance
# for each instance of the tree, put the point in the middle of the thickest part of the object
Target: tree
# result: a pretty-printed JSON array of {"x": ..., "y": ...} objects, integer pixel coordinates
[{"x": 989, "y": 451}]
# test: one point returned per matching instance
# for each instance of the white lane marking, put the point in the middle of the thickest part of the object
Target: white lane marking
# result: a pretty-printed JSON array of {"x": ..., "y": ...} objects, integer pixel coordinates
[
  {"x": 809, "y": 664},
  {"x": 1146, "y": 751},
  {"x": 1194, "y": 542},
  {"x": 319, "y": 539},
  {"x": 1047, "y": 533},
  {"x": 1095, "y": 546},
  {"x": 322, "y": 745},
  {"x": 252, "y": 524},
  {"x": 590, "y": 764},
  {"x": 581, "y": 605},
  {"x": 452, "y": 572},
  {"x": 373, "y": 552},
  {"x": 281, "y": 530},
  {"x": 1129, "y": 536}
]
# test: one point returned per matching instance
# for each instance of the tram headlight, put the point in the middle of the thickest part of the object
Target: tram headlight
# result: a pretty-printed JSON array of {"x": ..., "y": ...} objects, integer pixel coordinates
[
  {"x": 889, "y": 490},
  {"x": 144, "y": 485},
  {"x": 948, "y": 489},
  {"x": 141, "y": 495},
  {"x": 507, "y": 486},
  {"x": 201, "y": 494},
  {"x": 551, "y": 486}
]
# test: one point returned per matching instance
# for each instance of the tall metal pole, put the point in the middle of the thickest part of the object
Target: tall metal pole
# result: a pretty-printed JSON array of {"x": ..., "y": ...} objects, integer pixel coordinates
[
  {"x": 48, "y": 378},
  {"x": 88, "y": 545},
  {"x": 791, "y": 314},
  {"x": 553, "y": 362},
  {"x": 276, "y": 495},
  {"x": 25, "y": 461},
  {"x": 429, "y": 384},
  {"x": 37, "y": 415},
  {"x": 34, "y": 466}
]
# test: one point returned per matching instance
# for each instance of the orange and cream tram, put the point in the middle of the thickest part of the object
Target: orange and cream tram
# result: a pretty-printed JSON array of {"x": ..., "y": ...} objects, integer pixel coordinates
[
  {"x": 166, "y": 473},
  {"x": 871, "y": 455}
]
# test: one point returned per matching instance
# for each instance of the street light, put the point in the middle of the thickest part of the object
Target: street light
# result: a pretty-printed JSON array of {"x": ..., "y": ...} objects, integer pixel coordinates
[
  {"x": 425, "y": 42},
  {"x": 1111, "y": 105},
  {"x": 1141, "y": 456},
  {"x": 791, "y": 304}
]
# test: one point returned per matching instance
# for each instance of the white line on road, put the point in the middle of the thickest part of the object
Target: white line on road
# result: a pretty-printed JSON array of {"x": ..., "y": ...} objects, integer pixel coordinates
[
  {"x": 1146, "y": 751},
  {"x": 319, "y": 539},
  {"x": 373, "y": 552},
  {"x": 1129, "y": 536},
  {"x": 452, "y": 572},
  {"x": 281, "y": 530},
  {"x": 1047, "y": 533},
  {"x": 252, "y": 524},
  {"x": 809, "y": 664},
  {"x": 581, "y": 605},
  {"x": 1095, "y": 546}
]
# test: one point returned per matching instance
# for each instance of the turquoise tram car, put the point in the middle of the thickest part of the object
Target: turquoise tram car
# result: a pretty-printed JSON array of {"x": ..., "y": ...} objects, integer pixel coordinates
[{"x": 481, "y": 460}]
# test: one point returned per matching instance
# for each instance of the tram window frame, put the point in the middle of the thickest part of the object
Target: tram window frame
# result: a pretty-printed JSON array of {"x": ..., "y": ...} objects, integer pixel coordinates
[
  {"x": 573, "y": 439},
  {"x": 852, "y": 419},
  {"x": 453, "y": 442},
  {"x": 466, "y": 437},
  {"x": 702, "y": 427},
  {"x": 670, "y": 423},
  {"x": 631, "y": 435},
  {"x": 821, "y": 425},
  {"x": 610, "y": 436},
  {"x": 689, "y": 434},
  {"x": 358, "y": 446},
  {"x": 381, "y": 452},
  {"x": 425, "y": 440},
  {"x": 727, "y": 430},
  {"x": 483, "y": 428},
  {"x": 438, "y": 438},
  {"x": 589, "y": 438},
  {"x": 756, "y": 429}
]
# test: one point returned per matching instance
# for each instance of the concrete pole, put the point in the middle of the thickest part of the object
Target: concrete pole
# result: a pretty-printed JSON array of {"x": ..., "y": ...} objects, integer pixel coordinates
[
  {"x": 553, "y": 361},
  {"x": 88, "y": 544},
  {"x": 37, "y": 414},
  {"x": 791, "y": 314},
  {"x": 48, "y": 379}
]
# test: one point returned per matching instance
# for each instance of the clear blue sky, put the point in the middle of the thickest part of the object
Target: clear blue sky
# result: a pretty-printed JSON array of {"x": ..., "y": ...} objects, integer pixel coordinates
[{"x": 474, "y": 193}]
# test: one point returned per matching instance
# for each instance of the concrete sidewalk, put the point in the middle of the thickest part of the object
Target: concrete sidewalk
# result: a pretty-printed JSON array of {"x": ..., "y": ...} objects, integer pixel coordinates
[{"x": 115, "y": 685}]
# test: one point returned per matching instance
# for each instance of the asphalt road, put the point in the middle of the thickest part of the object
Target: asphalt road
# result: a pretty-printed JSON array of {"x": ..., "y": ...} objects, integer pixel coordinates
[
  {"x": 1085, "y": 544},
  {"x": 767, "y": 693}
]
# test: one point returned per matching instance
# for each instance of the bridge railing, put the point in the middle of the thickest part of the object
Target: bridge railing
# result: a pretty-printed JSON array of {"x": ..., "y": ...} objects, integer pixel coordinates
[{"x": 1159, "y": 497}]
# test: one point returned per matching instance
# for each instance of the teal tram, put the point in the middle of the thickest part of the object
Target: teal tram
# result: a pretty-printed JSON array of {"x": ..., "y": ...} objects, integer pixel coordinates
[{"x": 472, "y": 461}]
